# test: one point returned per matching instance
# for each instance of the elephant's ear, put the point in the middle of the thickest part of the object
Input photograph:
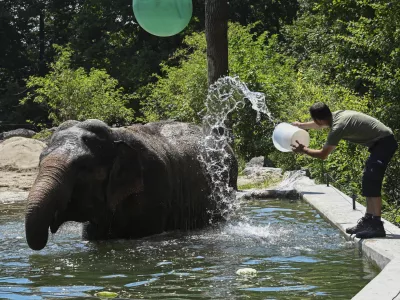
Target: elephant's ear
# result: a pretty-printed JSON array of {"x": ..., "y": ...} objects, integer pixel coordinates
[{"x": 126, "y": 175}]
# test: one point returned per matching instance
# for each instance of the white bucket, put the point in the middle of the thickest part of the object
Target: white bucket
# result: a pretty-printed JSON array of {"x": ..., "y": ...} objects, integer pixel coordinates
[{"x": 286, "y": 134}]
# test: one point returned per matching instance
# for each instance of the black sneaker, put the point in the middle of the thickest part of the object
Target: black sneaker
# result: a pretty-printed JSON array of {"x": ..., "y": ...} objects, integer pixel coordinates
[
  {"x": 362, "y": 224},
  {"x": 374, "y": 230}
]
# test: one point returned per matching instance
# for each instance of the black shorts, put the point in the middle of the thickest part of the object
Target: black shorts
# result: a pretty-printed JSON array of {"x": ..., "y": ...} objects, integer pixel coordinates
[{"x": 375, "y": 166}]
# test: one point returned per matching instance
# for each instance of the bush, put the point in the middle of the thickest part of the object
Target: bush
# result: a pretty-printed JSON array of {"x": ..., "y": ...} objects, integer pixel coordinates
[
  {"x": 77, "y": 95},
  {"x": 43, "y": 135}
]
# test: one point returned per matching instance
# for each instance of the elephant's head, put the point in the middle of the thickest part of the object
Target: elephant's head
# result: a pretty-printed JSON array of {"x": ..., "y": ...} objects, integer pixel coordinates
[{"x": 77, "y": 178}]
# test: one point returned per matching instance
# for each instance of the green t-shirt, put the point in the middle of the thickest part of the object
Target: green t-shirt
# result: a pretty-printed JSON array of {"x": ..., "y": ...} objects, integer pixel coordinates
[{"x": 356, "y": 127}]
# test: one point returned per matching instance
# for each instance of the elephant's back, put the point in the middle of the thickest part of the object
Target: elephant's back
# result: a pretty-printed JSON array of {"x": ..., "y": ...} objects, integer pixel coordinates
[
  {"x": 178, "y": 137},
  {"x": 177, "y": 131},
  {"x": 186, "y": 137},
  {"x": 168, "y": 129}
]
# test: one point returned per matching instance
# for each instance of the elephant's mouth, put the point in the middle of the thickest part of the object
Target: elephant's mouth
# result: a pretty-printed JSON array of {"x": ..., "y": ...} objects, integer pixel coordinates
[
  {"x": 70, "y": 214},
  {"x": 56, "y": 223}
]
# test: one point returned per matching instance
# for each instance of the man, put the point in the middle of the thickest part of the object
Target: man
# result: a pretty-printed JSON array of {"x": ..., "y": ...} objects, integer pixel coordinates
[{"x": 362, "y": 129}]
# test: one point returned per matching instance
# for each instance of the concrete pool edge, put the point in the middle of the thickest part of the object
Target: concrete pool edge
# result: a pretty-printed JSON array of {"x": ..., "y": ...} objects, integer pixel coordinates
[{"x": 337, "y": 208}]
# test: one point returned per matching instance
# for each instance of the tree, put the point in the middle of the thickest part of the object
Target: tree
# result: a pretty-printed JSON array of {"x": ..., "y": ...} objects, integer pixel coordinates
[
  {"x": 216, "y": 24},
  {"x": 270, "y": 15},
  {"x": 78, "y": 95},
  {"x": 27, "y": 31}
]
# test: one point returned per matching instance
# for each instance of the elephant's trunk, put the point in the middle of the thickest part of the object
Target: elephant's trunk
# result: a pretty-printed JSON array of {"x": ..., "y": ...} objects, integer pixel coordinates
[{"x": 48, "y": 196}]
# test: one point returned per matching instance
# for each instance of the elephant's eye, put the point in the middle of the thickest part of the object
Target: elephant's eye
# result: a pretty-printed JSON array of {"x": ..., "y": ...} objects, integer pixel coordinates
[{"x": 90, "y": 141}]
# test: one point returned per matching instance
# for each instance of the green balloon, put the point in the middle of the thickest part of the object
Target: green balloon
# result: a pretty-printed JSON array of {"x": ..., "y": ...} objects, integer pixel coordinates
[{"x": 163, "y": 17}]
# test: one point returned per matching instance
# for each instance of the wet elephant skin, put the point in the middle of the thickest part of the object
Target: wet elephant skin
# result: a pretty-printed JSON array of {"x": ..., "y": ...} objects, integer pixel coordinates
[{"x": 122, "y": 182}]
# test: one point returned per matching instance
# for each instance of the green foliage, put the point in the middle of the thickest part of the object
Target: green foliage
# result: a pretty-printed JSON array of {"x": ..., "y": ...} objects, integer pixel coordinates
[
  {"x": 180, "y": 93},
  {"x": 75, "y": 94},
  {"x": 270, "y": 15},
  {"x": 43, "y": 135}
]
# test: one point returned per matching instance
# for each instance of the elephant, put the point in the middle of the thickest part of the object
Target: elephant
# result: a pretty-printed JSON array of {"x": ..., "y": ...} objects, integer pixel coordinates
[{"x": 122, "y": 183}]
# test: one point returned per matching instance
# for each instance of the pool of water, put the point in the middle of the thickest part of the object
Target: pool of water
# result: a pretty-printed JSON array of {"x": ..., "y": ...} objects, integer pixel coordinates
[{"x": 296, "y": 253}]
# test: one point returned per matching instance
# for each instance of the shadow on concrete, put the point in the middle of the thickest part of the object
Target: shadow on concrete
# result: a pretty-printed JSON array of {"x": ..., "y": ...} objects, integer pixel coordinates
[
  {"x": 390, "y": 236},
  {"x": 311, "y": 193}
]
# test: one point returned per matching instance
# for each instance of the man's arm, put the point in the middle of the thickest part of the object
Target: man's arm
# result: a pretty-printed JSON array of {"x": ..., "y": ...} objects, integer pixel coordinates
[
  {"x": 307, "y": 125},
  {"x": 321, "y": 154}
]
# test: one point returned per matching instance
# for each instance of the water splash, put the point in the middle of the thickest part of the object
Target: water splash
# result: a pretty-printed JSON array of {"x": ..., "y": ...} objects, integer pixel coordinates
[{"x": 225, "y": 96}]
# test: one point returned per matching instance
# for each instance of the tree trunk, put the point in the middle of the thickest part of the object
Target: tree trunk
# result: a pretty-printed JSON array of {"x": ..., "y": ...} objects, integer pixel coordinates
[{"x": 216, "y": 23}]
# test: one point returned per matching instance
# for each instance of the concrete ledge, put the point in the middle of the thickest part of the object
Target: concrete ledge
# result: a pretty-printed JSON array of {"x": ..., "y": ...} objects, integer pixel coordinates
[
  {"x": 337, "y": 208},
  {"x": 384, "y": 286}
]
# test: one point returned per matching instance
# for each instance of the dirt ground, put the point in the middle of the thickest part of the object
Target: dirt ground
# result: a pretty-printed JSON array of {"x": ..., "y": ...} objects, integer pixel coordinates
[{"x": 19, "y": 159}]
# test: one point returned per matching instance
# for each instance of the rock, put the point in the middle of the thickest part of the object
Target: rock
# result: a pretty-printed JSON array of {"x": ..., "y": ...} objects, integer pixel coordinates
[
  {"x": 254, "y": 175},
  {"x": 22, "y": 132},
  {"x": 19, "y": 153},
  {"x": 261, "y": 171},
  {"x": 306, "y": 172},
  {"x": 260, "y": 161},
  {"x": 256, "y": 162},
  {"x": 267, "y": 194},
  {"x": 263, "y": 183},
  {"x": 268, "y": 163}
]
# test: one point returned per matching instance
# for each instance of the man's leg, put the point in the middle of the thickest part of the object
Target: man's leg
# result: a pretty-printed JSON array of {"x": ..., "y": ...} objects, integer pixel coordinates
[
  {"x": 372, "y": 185},
  {"x": 371, "y": 225},
  {"x": 364, "y": 222},
  {"x": 374, "y": 172},
  {"x": 374, "y": 206}
]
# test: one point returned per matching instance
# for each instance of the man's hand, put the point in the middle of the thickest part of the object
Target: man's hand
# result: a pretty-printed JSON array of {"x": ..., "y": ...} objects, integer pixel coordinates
[
  {"x": 299, "y": 148},
  {"x": 322, "y": 154},
  {"x": 307, "y": 125},
  {"x": 298, "y": 124}
]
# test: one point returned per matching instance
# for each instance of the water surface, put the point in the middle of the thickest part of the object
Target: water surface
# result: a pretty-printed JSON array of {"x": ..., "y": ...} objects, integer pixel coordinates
[{"x": 296, "y": 253}]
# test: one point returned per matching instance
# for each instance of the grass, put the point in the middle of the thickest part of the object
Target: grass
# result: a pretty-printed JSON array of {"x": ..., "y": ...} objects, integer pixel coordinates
[{"x": 269, "y": 182}]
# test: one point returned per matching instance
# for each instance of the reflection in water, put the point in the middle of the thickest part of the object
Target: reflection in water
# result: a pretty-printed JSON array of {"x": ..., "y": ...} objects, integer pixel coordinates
[{"x": 297, "y": 255}]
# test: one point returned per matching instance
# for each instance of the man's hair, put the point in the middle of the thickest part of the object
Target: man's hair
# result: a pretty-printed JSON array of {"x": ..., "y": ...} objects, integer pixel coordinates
[{"x": 320, "y": 111}]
